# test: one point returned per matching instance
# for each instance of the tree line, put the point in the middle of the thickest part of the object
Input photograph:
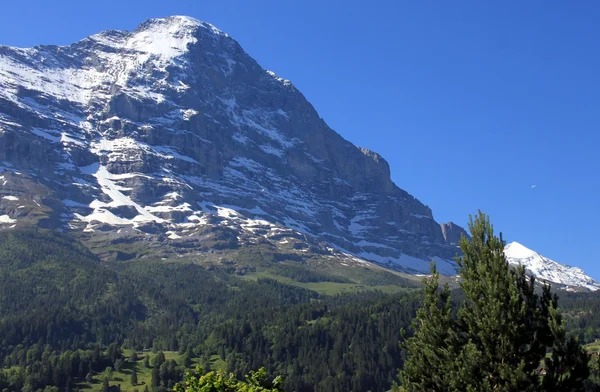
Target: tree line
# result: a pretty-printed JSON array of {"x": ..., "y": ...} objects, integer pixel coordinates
[{"x": 60, "y": 305}]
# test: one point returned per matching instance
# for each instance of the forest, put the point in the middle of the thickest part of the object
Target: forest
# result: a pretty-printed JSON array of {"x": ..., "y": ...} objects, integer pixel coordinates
[{"x": 67, "y": 317}]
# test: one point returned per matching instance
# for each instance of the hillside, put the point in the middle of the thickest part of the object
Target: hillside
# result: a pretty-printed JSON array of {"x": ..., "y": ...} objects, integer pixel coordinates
[{"x": 58, "y": 298}]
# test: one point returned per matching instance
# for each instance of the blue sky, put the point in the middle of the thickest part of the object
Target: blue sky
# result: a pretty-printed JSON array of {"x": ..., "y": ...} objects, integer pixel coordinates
[{"x": 473, "y": 103}]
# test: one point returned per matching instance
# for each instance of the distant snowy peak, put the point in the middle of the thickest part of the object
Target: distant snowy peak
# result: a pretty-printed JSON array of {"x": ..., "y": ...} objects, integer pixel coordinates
[{"x": 546, "y": 269}]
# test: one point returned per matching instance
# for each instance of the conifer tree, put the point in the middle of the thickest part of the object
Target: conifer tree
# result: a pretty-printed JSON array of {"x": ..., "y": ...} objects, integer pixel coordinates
[
  {"x": 134, "y": 378},
  {"x": 567, "y": 368},
  {"x": 187, "y": 359},
  {"x": 433, "y": 327},
  {"x": 155, "y": 377},
  {"x": 501, "y": 334},
  {"x": 159, "y": 359}
]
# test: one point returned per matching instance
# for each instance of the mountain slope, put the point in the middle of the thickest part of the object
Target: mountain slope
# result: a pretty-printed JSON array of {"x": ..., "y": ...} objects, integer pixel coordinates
[
  {"x": 174, "y": 136},
  {"x": 546, "y": 269},
  {"x": 58, "y": 299}
]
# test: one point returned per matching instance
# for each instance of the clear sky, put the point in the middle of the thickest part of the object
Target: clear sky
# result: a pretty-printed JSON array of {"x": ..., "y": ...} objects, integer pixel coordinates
[{"x": 491, "y": 105}]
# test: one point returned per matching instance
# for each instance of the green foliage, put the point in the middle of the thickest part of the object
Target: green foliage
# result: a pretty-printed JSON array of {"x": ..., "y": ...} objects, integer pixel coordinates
[
  {"x": 119, "y": 365},
  {"x": 582, "y": 314},
  {"x": 108, "y": 373},
  {"x": 53, "y": 291},
  {"x": 155, "y": 377},
  {"x": 432, "y": 346},
  {"x": 105, "y": 385},
  {"x": 159, "y": 360},
  {"x": 221, "y": 382},
  {"x": 66, "y": 316},
  {"x": 187, "y": 359},
  {"x": 500, "y": 335},
  {"x": 567, "y": 367},
  {"x": 304, "y": 275},
  {"x": 134, "y": 377}
]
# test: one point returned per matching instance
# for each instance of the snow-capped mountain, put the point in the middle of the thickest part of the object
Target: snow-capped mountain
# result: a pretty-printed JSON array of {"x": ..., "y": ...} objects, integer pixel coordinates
[
  {"x": 171, "y": 141},
  {"x": 548, "y": 270},
  {"x": 173, "y": 135}
]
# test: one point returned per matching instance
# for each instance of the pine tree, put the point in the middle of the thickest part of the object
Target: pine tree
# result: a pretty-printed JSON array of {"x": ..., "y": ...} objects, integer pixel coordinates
[
  {"x": 567, "y": 368},
  {"x": 593, "y": 381},
  {"x": 500, "y": 314},
  {"x": 501, "y": 334},
  {"x": 434, "y": 329},
  {"x": 159, "y": 359},
  {"x": 118, "y": 364},
  {"x": 134, "y": 379},
  {"x": 155, "y": 377},
  {"x": 187, "y": 359},
  {"x": 105, "y": 385}
]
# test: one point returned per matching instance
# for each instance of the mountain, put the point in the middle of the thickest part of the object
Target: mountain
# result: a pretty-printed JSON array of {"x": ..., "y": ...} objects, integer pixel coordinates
[
  {"x": 172, "y": 141},
  {"x": 548, "y": 270}
]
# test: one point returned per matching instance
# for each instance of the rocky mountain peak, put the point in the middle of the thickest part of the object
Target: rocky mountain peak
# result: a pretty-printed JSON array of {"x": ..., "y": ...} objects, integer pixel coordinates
[{"x": 172, "y": 134}]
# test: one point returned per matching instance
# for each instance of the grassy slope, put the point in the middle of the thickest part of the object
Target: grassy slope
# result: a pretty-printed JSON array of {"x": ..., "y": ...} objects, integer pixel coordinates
[
  {"x": 327, "y": 288},
  {"x": 144, "y": 374}
]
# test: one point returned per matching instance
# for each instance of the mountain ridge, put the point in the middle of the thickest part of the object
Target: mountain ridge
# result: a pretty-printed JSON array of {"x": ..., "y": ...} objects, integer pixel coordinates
[{"x": 173, "y": 136}]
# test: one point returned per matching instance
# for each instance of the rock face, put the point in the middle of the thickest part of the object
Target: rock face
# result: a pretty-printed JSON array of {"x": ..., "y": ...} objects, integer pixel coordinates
[
  {"x": 172, "y": 132},
  {"x": 452, "y": 233}
]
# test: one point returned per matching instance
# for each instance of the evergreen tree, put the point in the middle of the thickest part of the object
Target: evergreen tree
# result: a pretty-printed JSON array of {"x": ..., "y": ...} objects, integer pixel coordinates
[
  {"x": 500, "y": 335},
  {"x": 155, "y": 382},
  {"x": 434, "y": 328},
  {"x": 105, "y": 385},
  {"x": 163, "y": 374},
  {"x": 134, "y": 379},
  {"x": 187, "y": 359},
  {"x": 159, "y": 359},
  {"x": 119, "y": 365},
  {"x": 147, "y": 360},
  {"x": 114, "y": 352},
  {"x": 567, "y": 368},
  {"x": 593, "y": 382},
  {"x": 108, "y": 373}
]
